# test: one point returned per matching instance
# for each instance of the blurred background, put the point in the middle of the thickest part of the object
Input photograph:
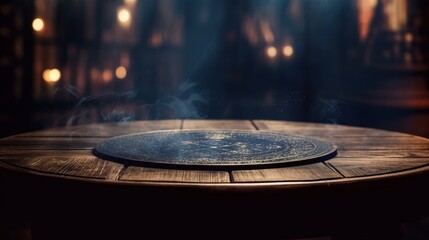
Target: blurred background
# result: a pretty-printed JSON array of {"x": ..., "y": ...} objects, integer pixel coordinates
[{"x": 354, "y": 62}]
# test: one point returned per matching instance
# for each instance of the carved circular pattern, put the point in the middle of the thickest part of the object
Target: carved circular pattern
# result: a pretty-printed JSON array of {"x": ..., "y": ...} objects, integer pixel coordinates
[{"x": 213, "y": 148}]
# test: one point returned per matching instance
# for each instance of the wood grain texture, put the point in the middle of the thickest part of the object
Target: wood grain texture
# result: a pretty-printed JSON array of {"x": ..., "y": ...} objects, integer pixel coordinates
[
  {"x": 316, "y": 171},
  {"x": 63, "y": 162},
  {"x": 367, "y": 174},
  {"x": 387, "y": 154},
  {"x": 405, "y": 143},
  {"x": 320, "y": 130},
  {"x": 361, "y": 152},
  {"x": 66, "y": 143},
  {"x": 106, "y": 129},
  {"x": 358, "y": 167},
  {"x": 218, "y": 124},
  {"x": 134, "y": 173}
]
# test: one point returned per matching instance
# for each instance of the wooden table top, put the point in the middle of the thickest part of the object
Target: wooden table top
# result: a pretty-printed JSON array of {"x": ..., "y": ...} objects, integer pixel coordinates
[
  {"x": 363, "y": 155},
  {"x": 376, "y": 181}
]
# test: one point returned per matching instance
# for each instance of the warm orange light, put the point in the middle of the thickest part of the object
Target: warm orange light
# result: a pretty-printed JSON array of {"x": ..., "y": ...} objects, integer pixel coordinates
[
  {"x": 107, "y": 75},
  {"x": 365, "y": 11},
  {"x": 51, "y": 75},
  {"x": 271, "y": 52},
  {"x": 38, "y": 24},
  {"x": 267, "y": 33},
  {"x": 288, "y": 51},
  {"x": 54, "y": 75},
  {"x": 124, "y": 17},
  {"x": 250, "y": 30},
  {"x": 409, "y": 37},
  {"x": 130, "y": 2},
  {"x": 121, "y": 72},
  {"x": 45, "y": 75}
]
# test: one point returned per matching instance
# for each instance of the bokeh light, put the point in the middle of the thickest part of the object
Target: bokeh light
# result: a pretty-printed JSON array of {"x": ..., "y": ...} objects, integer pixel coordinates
[
  {"x": 107, "y": 75},
  {"x": 124, "y": 16},
  {"x": 271, "y": 52},
  {"x": 51, "y": 75},
  {"x": 130, "y": 2},
  {"x": 121, "y": 72},
  {"x": 38, "y": 24},
  {"x": 288, "y": 51},
  {"x": 409, "y": 37}
]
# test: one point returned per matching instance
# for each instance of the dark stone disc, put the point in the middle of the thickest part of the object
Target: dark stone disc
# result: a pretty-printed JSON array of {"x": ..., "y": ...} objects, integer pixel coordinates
[{"x": 214, "y": 148}]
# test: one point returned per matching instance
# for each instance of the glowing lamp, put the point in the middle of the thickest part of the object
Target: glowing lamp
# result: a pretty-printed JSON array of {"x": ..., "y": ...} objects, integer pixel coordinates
[
  {"x": 121, "y": 72},
  {"x": 288, "y": 51},
  {"x": 38, "y": 24},
  {"x": 51, "y": 75},
  {"x": 271, "y": 52}
]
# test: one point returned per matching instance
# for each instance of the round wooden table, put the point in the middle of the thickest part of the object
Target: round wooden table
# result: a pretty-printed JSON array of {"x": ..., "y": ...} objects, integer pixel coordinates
[{"x": 377, "y": 180}]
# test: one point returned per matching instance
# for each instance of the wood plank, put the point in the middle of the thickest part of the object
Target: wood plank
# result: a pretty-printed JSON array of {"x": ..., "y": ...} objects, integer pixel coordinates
[
  {"x": 134, "y": 173},
  {"x": 391, "y": 153},
  {"x": 405, "y": 143},
  {"x": 348, "y": 138},
  {"x": 218, "y": 124},
  {"x": 64, "y": 162},
  {"x": 318, "y": 129},
  {"x": 387, "y": 146},
  {"x": 358, "y": 167},
  {"x": 361, "y": 152},
  {"x": 49, "y": 143},
  {"x": 107, "y": 129},
  {"x": 378, "y": 140},
  {"x": 17, "y": 153},
  {"x": 316, "y": 171}
]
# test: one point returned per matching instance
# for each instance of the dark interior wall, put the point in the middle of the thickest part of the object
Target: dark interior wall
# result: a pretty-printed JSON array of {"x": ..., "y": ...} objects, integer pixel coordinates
[{"x": 209, "y": 59}]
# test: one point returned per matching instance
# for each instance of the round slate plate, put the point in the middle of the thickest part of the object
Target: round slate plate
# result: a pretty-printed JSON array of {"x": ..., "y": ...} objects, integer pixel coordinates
[{"x": 214, "y": 149}]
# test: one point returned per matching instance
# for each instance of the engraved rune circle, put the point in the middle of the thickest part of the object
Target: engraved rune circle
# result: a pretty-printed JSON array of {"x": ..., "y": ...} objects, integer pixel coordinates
[{"x": 213, "y": 148}]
